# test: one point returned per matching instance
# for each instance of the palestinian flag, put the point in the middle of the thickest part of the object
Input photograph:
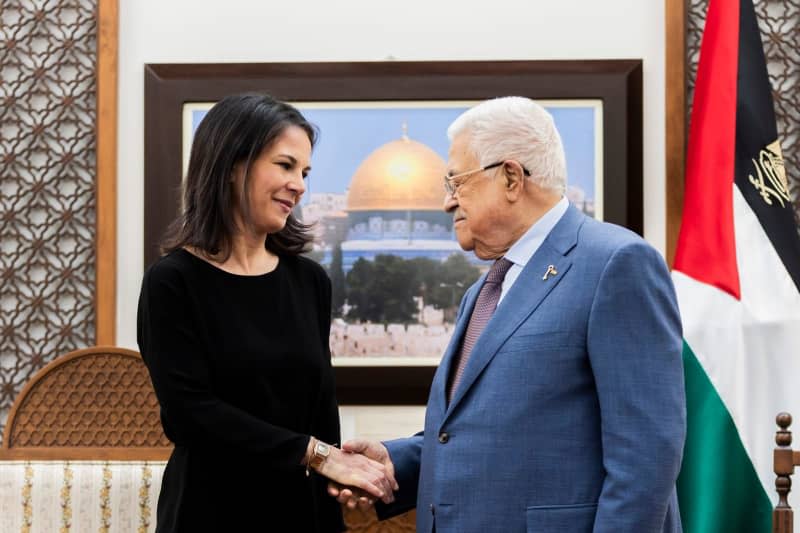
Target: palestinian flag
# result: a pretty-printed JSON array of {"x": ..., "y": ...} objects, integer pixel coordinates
[{"x": 737, "y": 275}]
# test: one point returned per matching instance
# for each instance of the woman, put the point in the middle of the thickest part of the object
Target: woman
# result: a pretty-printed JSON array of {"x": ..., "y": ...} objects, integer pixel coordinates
[{"x": 233, "y": 325}]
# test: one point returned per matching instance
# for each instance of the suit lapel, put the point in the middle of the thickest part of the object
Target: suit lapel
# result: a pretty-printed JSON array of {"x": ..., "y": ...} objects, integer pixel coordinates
[{"x": 522, "y": 299}]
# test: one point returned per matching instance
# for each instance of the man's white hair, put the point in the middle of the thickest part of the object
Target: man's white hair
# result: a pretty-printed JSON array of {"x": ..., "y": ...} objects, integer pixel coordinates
[{"x": 515, "y": 128}]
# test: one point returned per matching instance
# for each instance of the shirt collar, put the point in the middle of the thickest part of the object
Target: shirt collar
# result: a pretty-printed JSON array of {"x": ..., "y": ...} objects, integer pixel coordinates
[{"x": 522, "y": 250}]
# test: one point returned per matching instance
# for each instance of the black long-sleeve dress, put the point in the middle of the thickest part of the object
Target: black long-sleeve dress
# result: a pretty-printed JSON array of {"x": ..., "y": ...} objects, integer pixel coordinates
[{"x": 241, "y": 368}]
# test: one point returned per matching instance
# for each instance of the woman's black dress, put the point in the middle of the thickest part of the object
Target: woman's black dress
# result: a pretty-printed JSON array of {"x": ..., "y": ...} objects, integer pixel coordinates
[{"x": 242, "y": 371}]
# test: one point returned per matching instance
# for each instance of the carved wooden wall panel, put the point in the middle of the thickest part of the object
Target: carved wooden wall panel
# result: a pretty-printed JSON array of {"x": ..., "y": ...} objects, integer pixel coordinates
[
  {"x": 779, "y": 21},
  {"x": 47, "y": 185}
]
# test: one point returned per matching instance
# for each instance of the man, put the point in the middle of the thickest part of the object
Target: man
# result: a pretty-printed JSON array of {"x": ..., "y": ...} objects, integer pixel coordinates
[{"x": 560, "y": 408}]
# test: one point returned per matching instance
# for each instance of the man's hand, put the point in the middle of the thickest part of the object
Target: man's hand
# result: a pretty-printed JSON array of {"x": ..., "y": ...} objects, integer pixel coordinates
[
  {"x": 353, "y": 496},
  {"x": 359, "y": 471}
]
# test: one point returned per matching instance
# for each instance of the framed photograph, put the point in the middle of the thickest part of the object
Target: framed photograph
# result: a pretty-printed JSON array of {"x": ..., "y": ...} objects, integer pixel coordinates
[{"x": 375, "y": 192}]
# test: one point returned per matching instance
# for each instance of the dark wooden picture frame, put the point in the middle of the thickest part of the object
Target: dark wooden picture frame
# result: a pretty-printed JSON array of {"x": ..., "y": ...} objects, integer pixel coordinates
[{"x": 617, "y": 83}]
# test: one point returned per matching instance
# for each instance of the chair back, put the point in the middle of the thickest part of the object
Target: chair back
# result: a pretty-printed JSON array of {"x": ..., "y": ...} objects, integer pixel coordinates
[{"x": 96, "y": 403}]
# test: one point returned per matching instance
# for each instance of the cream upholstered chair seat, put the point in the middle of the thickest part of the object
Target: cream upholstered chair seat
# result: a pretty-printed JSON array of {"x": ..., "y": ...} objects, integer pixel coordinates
[{"x": 63, "y": 496}]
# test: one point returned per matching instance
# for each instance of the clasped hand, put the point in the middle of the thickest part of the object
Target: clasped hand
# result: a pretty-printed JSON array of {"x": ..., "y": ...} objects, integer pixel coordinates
[
  {"x": 360, "y": 472},
  {"x": 353, "y": 494}
]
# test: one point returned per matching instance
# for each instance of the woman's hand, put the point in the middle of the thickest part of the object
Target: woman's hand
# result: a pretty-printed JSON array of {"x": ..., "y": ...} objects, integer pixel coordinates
[
  {"x": 356, "y": 470},
  {"x": 352, "y": 496}
]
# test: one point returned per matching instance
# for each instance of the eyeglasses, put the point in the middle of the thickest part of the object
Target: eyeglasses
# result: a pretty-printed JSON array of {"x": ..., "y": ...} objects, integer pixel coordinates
[{"x": 450, "y": 185}]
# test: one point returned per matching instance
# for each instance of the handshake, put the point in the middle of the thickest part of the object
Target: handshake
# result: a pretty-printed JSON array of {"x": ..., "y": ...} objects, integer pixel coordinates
[{"x": 359, "y": 473}]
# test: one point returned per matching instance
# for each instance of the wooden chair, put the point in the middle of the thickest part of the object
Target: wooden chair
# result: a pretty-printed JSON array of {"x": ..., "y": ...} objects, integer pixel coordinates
[
  {"x": 784, "y": 461},
  {"x": 99, "y": 404}
]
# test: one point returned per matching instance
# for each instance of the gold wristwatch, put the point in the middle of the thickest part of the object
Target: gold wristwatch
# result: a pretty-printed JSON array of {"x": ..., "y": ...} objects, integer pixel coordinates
[{"x": 320, "y": 452}]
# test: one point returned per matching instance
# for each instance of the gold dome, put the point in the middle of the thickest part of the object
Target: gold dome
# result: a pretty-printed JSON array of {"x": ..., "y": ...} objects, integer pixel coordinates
[{"x": 400, "y": 175}]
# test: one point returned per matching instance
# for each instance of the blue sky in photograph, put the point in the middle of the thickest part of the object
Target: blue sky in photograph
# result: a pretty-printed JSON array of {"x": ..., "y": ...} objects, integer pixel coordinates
[{"x": 349, "y": 135}]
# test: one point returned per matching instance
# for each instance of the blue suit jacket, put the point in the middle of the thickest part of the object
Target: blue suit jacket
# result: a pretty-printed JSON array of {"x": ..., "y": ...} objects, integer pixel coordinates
[{"x": 570, "y": 415}]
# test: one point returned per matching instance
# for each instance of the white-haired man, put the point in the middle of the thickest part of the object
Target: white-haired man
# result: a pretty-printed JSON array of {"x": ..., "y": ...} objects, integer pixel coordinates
[{"x": 559, "y": 403}]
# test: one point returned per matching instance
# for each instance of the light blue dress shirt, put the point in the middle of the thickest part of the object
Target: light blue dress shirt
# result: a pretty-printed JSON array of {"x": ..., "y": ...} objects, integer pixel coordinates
[{"x": 522, "y": 250}]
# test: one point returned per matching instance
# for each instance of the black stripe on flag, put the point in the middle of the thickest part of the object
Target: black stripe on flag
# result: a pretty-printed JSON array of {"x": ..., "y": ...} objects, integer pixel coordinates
[{"x": 755, "y": 132}]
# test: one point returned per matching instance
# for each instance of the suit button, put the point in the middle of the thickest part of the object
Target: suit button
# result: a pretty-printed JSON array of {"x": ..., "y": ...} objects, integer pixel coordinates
[
  {"x": 444, "y": 437},
  {"x": 433, "y": 509}
]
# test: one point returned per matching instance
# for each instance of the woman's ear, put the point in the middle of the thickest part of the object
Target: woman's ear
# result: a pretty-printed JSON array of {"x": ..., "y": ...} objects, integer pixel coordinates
[{"x": 236, "y": 172}]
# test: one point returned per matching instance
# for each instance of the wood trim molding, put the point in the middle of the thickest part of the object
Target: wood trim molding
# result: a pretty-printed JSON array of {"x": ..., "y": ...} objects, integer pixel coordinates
[
  {"x": 106, "y": 177},
  {"x": 110, "y": 453},
  {"x": 676, "y": 127}
]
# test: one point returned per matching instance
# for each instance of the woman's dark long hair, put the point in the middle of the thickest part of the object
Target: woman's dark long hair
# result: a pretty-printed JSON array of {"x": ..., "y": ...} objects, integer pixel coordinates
[{"x": 235, "y": 130}]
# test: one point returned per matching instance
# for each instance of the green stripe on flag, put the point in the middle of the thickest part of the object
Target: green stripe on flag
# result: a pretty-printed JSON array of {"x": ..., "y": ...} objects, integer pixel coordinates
[{"x": 717, "y": 476}]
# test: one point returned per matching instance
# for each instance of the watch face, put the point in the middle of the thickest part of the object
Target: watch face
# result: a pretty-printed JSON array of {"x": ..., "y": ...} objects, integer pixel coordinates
[{"x": 323, "y": 449}]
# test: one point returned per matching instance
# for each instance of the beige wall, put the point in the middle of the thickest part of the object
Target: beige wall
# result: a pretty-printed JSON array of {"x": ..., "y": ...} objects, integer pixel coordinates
[{"x": 203, "y": 31}]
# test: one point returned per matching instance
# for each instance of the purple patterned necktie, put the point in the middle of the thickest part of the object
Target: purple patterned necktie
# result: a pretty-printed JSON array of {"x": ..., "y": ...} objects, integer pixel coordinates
[{"x": 481, "y": 313}]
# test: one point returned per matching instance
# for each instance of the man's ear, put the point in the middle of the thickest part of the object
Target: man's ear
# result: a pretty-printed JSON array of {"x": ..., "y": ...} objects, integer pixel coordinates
[{"x": 514, "y": 177}]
